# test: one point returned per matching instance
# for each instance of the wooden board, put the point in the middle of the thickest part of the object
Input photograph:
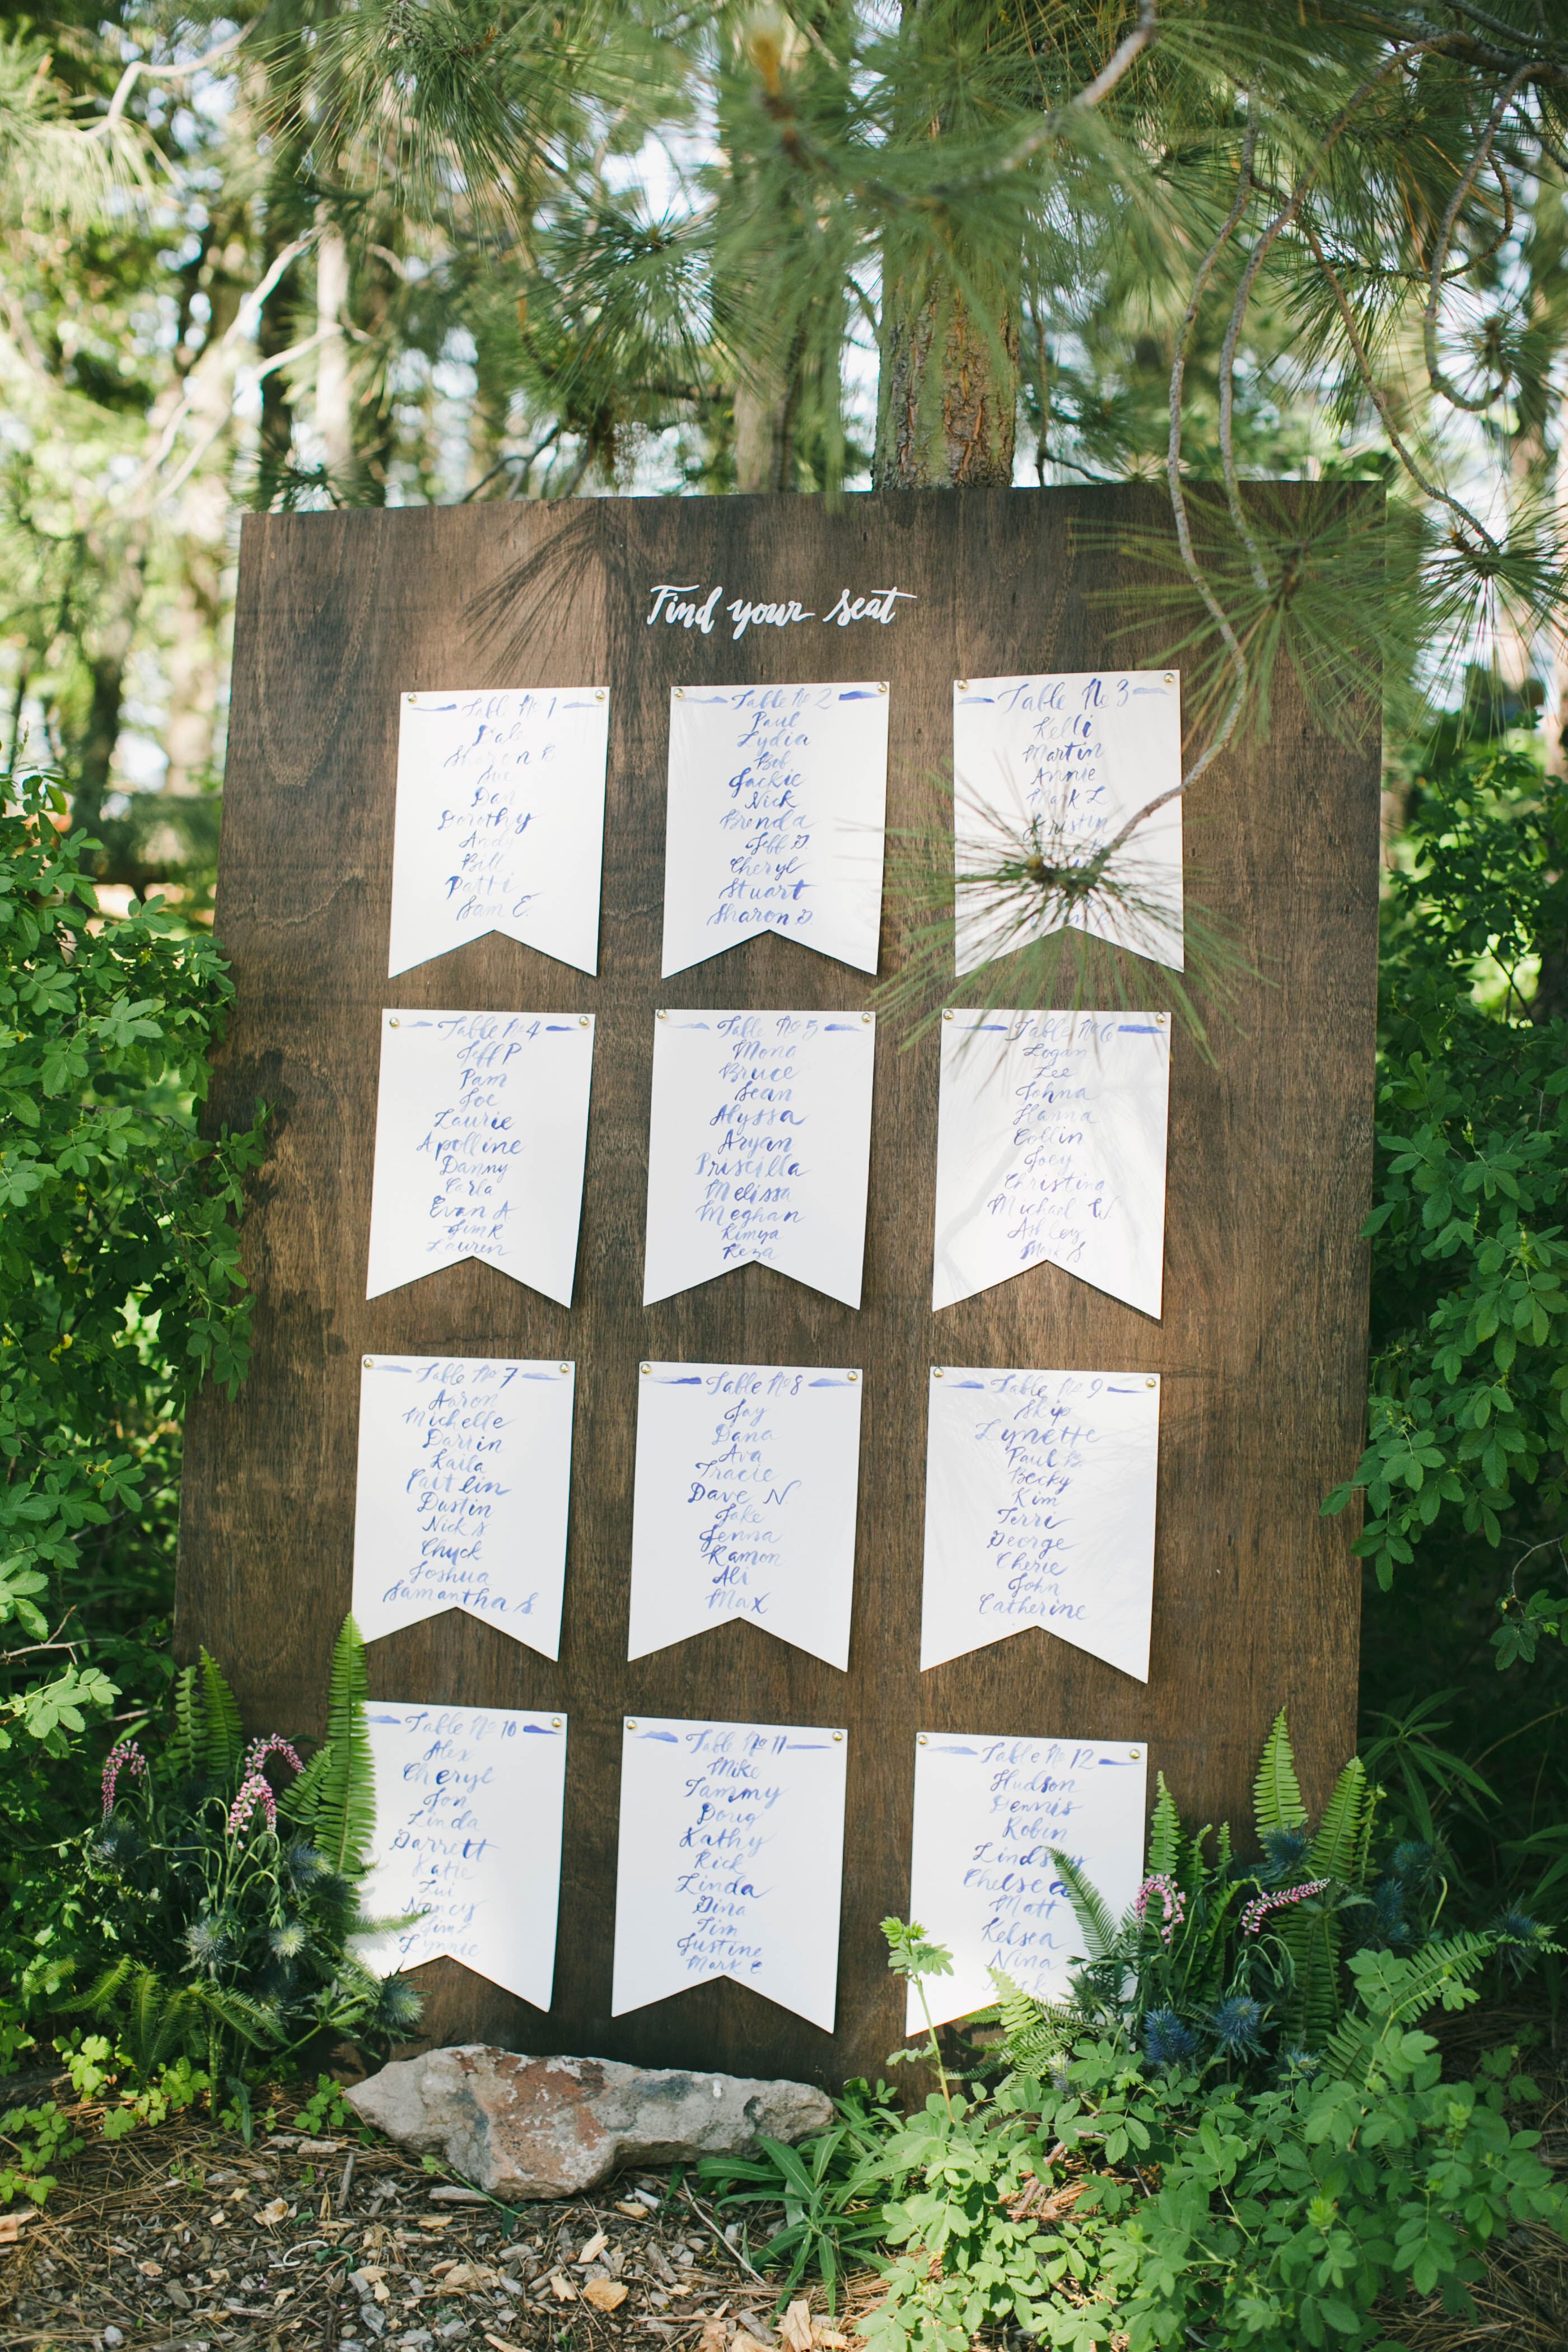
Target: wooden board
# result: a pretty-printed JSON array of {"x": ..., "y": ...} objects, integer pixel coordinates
[{"x": 1261, "y": 1346}]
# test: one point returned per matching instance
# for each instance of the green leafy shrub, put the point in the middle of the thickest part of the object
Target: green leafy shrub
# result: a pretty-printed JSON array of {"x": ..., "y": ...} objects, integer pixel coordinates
[
  {"x": 119, "y": 1291},
  {"x": 218, "y": 1916},
  {"x": 1116, "y": 2202}
]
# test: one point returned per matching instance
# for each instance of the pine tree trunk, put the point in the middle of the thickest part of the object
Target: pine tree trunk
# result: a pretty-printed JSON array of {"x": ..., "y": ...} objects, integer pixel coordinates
[
  {"x": 334, "y": 415},
  {"x": 947, "y": 401},
  {"x": 764, "y": 437},
  {"x": 121, "y": 565}
]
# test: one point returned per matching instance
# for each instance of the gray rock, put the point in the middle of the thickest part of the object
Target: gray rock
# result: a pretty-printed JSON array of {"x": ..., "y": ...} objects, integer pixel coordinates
[{"x": 534, "y": 2128}]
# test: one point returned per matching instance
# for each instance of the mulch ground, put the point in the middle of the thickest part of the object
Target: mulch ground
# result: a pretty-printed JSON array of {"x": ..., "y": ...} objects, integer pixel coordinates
[{"x": 185, "y": 2236}]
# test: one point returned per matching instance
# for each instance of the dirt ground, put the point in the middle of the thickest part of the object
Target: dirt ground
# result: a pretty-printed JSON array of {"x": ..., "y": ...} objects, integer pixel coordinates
[{"x": 185, "y": 2236}]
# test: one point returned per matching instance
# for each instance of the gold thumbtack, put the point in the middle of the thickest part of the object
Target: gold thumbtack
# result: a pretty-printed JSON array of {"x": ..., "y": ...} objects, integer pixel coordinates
[
  {"x": 630, "y": 1724},
  {"x": 936, "y": 1372},
  {"x": 963, "y": 686},
  {"x": 865, "y": 1019},
  {"x": 923, "y": 1741},
  {"x": 851, "y": 1376},
  {"x": 392, "y": 1021},
  {"x": 882, "y": 686},
  {"x": 1170, "y": 677},
  {"x": 948, "y": 1015},
  {"x": 839, "y": 1734},
  {"x": 680, "y": 694},
  {"x": 582, "y": 1019},
  {"x": 661, "y": 1016},
  {"x": 600, "y": 695},
  {"x": 413, "y": 698},
  {"x": 565, "y": 1367},
  {"x": 555, "y": 1723},
  {"x": 1135, "y": 1753},
  {"x": 370, "y": 1363},
  {"x": 646, "y": 1370}
]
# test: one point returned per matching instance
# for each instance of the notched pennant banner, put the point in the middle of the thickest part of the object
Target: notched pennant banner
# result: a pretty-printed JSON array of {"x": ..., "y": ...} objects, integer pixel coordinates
[
  {"x": 1051, "y": 1151},
  {"x": 500, "y": 823},
  {"x": 988, "y": 1813},
  {"x": 465, "y": 1469},
  {"x": 747, "y": 1478},
  {"x": 1053, "y": 768},
  {"x": 468, "y": 1835},
  {"x": 1040, "y": 1511},
  {"x": 759, "y": 1149},
  {"x": 481, "y": 1125},
  {"x": 730, "y": 1863},
  {"x": 777, "y": 807}
]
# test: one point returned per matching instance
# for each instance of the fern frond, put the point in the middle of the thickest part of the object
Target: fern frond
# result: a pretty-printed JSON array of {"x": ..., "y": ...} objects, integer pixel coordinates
[
  {"x": 1336, "y": 1849},
  {"x": 334, "y": 1797},
  {"x": 1164, "y": 1835},
  {"x": 1089, "y": 1906},
  {"x": 100, "y": 1992},
  {"x": 222, "y": 1736},
  {"x": 183, "y": 1747},
  {"x": 1277, "y": 1792}
]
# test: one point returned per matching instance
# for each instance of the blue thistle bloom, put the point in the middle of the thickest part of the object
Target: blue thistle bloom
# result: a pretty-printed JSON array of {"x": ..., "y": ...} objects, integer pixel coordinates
[
  {"x": 1167, "y": 2041},
  {"x": 399, "y": 2006},
  {"x": 1301, "y": 2061},
  {"x": 1286, "y": 1849},
  {"x": 286, "y": 1940},
  {"x": 208, "y": 1942},
  {"x": 302, "y": 1863},
  {"x": 1412, "y": 1859},
  {"x": 1516, "y": 1926},
  {"x": 1237, "y": 2024}
]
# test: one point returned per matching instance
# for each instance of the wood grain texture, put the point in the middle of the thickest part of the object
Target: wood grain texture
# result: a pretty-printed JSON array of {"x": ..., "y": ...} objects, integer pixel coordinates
[{"x": 1261, "y": 1346}]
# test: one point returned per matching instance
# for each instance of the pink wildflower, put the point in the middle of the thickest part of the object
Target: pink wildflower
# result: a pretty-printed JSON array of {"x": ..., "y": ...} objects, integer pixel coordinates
[
  {"x": 253, "y": 1791},
  {"x": 1172, "y": 1903},
  {"x": 122, "y": 1755},
  {"x": 1257, "y": 1910},
  {"x": 257, "y": 1754}
]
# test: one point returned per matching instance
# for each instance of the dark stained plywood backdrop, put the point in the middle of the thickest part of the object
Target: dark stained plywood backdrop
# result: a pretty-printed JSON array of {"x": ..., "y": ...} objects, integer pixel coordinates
[{"x": 1261, "y": 1345}]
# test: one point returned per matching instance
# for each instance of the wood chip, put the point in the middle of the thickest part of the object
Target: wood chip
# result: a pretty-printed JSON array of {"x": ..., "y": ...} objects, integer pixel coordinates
[
  {"x": 605, "y": 2295},
  {"x": 795, "y": 2328},
  {"x": 593, "y": 2250},
  {"x": 561, "y": 2288},
  {"x": 271, "y": 2214},
  {"x": 13, "y": 2225}
]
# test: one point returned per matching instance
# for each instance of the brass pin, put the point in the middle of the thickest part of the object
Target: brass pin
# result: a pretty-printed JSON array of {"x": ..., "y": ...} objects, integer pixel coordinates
[
  {"x": 646, "y": 1370},
  {"x": 922, "y": 1741},
  {"x": 370, "y": 1363},
  {"x": 584, "y": 1020},
  {"x": 565, "y": 1367},
  {"x": 839, "y": 1734},
  {"x": 392, "y": 1021},
  {"x": 555, "y": 1723}
]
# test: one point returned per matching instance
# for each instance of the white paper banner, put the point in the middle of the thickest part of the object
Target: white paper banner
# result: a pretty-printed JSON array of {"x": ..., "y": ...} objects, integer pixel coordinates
[
  {"x": 732, "y": 1853},
  {"x": 746, "y": 1484},
  {"x": 481, "y": 1124},
  {"x": 758, "y": 1148},
  {"x": 777, "y": 806},
  {"x": 988, "y": 1813},
  {"x": 468, "y": 1831},
  {"x": 500, "y": 823},
  {"x": 1040, "y": 1511},
  {"x": 1050, "y": 1151},
  {"x": 1055, "y": 766},
  {"x": 464, "y": 1468}
]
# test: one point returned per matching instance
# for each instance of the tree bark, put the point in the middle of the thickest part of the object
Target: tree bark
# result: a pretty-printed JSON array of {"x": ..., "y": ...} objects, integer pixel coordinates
[
  {"x": 947, "y": 399},
  {"x": 764, "y": 434}
]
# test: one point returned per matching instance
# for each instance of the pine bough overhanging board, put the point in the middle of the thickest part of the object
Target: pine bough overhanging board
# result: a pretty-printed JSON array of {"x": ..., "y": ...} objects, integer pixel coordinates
[{"x": 556, "y": 646}]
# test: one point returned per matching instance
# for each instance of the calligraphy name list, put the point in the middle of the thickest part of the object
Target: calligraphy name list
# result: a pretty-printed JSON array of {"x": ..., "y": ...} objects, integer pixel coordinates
[
  {"x": 747, "y": 1477},
  {"x": 480, "y": 1130},
  {"x": 500, "y": 823},
  {"x": 1058, "y": 767},
  {"x": 465, "y": 1467},
  {"x": 468, "y": 1835},
  {"x": 732, "y": 1853},
  {"x": 776, "y": 809},
  {"x": 1051, "y": 1150},
  {"x": 1040, "y": 1511},
  {"x": 989, "y": 1815},
  {"x": 758, "y": 1148}
]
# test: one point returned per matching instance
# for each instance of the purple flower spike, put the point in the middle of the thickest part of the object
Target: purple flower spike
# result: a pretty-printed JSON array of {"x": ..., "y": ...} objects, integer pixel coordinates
[
  {"x": 1257, "y": 1910},
  {"x": 122, "y": 1755},
  {"x": 257, "y": 1754},
  {"x": 253, "y": 1791},
  {"x": 1172, "y": 1903}
]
